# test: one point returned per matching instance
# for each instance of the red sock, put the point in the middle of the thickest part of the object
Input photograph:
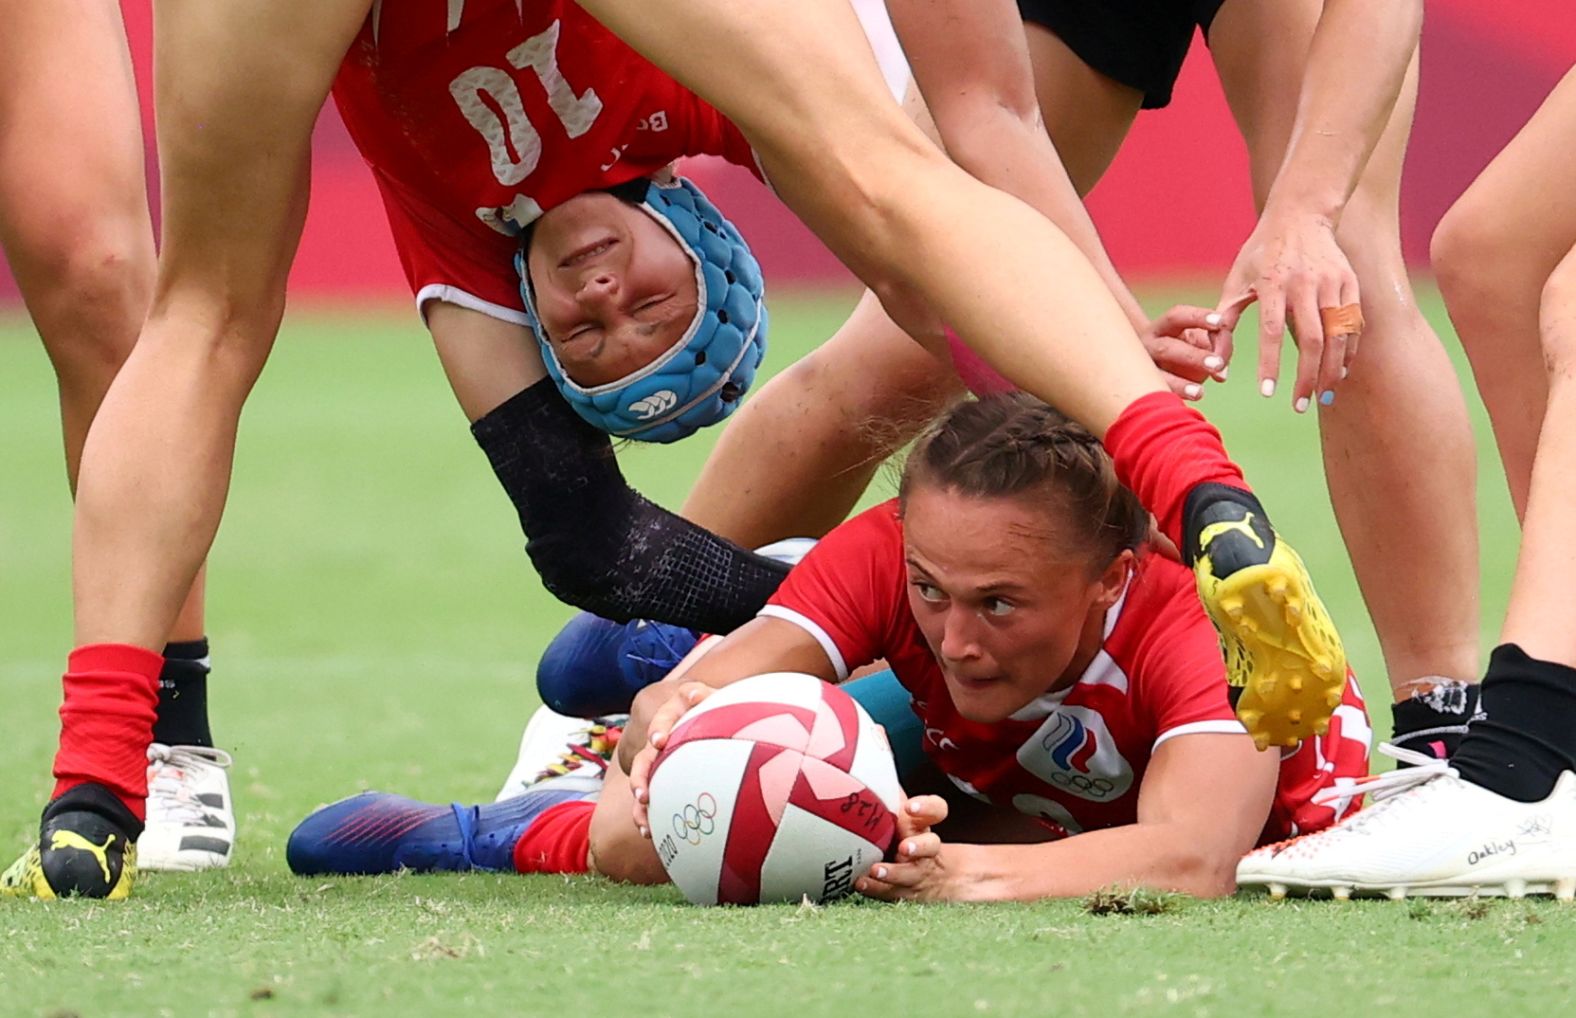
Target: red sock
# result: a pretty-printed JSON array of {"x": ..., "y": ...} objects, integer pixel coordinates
[
  {"x": 1163, "y": 449},
  {"x": 981, "y": 378},
  {"x": 558, "y": 841},
  {"x": 106, "y": 721}
]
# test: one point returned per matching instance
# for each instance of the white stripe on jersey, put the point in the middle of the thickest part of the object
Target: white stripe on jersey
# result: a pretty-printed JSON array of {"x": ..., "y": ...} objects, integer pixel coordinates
[{"x": 777, "y": 611}]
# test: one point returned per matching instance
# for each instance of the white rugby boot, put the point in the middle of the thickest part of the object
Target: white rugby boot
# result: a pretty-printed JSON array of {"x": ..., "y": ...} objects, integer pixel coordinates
[
  {"x": 1429, "y": 834},
  {"x": 571, "y": 752},
  {"x": 191, "y": 819}
]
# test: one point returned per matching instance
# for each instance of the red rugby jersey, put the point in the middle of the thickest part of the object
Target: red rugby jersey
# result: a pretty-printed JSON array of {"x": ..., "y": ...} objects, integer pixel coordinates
[
  {"x": 1075, "y": 758},
  {"x": 477, "y": 115}
]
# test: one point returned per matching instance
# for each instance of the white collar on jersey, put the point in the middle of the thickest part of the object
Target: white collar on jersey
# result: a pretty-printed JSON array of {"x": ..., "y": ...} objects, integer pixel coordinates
[{"x": 1102, "y": 671}]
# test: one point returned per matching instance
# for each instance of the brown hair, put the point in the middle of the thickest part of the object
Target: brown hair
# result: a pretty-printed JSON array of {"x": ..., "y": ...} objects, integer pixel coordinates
[{"x": 1011, "y": 445}]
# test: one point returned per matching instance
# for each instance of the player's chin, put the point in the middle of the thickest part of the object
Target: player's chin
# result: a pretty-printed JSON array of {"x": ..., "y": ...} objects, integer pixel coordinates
[{"x": 983, "y": 701}]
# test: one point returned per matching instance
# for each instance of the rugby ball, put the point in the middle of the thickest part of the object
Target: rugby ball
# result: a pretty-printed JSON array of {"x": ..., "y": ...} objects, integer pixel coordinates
[{"x": 776, "y": 788}]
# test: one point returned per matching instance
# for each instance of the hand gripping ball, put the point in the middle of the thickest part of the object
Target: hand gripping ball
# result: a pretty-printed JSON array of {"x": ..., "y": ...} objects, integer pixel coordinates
[{"x": 776, "y": 788}]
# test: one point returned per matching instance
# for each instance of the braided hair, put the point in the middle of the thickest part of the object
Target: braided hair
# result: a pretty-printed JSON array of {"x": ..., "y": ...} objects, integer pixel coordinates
[{"x": 1012, "y": 445}]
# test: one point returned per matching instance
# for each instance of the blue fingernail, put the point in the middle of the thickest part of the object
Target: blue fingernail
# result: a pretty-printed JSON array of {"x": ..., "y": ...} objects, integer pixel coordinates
[{"x": 1327, "y": 397}]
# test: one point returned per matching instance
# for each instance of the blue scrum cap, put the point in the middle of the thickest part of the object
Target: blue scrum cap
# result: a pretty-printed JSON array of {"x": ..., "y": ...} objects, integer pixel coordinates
[{"x": 700, "y": 379}]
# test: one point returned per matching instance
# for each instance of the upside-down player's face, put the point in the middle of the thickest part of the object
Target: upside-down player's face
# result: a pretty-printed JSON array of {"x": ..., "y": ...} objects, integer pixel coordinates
[
  {"x": 613, "y": 289},
  {"x": 1007, "y": 609}
]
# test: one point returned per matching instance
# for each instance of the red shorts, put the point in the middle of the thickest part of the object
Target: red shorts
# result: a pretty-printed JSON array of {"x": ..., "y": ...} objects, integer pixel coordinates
[
  {"x": 468, "y": 264},
  {"x": 1337, "y": 758}
]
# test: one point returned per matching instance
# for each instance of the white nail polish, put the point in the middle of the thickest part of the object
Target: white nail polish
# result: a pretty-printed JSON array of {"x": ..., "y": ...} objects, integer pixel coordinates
[
  {"x": 1213, "y": 363},
  {"x": 1301, "y": 405},
  {"x": 1193, "y": 391},
  {"x": 1213, "y": 319},
  {"x": 1224, "y": 372},
  {"x": 1267, "y": 388},
  {"x": 1344, "y": 373},
  {"x": 881, "y": 872}
]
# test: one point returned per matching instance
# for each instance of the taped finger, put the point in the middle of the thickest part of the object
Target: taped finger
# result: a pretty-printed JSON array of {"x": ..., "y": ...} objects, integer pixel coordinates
[{"x": 1346, "y": 320}]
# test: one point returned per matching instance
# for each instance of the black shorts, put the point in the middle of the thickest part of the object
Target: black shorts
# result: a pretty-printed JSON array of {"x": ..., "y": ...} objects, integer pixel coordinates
[{"x": 1139, "y": 43}]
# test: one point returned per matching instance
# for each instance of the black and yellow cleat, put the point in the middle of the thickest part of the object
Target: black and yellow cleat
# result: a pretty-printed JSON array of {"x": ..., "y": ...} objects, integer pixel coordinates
[
  {"x": 1282, "y": 651},
  {"x": 86, "y": 849}
]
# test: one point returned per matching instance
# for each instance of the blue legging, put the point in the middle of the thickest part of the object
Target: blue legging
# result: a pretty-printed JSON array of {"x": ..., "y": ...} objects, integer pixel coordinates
[{"x": 888, "y": 703}]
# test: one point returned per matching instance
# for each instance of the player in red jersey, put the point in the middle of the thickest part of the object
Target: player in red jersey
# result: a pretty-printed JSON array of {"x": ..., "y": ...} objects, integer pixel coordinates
[
  {"x": 518, "y": 122},
  {"x": 1059, "y": 668},
  {"x": 239, "y": 88}
]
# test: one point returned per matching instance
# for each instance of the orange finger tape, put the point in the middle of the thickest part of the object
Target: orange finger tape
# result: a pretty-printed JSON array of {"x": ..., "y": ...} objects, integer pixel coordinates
[{"x": 1346, "y": 320}]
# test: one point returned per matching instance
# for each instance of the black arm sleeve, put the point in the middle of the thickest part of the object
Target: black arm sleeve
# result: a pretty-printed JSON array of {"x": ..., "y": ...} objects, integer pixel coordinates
[{"x": 597, "y": 543}]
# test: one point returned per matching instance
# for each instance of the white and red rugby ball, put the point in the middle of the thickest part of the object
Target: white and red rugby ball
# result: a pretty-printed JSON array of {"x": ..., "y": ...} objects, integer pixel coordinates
[{"x": 775, "y": 788}]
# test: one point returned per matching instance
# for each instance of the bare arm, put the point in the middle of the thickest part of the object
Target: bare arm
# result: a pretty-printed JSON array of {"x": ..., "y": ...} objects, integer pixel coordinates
[
  {"x": 759, "y": 646},
  {"x": 1291, "y": 263},
  {"x": 1202, "y": 805},
  {"x": 1356, "y": 65}
]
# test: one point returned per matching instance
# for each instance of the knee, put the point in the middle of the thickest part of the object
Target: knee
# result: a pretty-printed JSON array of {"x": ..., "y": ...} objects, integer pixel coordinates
[
  {"x": 224, "y": 335},
  {"x": 620, "y": 853},
  {"x": 1467, "y": 245},
  {"x": 89, "y": 292}
]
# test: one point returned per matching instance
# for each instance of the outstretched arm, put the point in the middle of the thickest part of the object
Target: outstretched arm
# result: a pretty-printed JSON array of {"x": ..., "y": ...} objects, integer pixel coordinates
[
  {"x": 1203, "y": 803},
  {"x": 1291, "y": 263}
]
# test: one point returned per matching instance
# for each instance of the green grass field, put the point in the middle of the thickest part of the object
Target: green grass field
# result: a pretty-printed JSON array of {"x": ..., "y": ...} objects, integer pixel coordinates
[{"x": 376, "y": 625}]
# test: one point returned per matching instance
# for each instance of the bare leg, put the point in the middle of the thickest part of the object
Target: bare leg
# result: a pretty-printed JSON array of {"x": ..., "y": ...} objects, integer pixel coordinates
[
  {"x": 805, "y": 88},
  {"x": 487, "y": 360},
  {"x": 74, "y": 216},
  {"x": 797, "y": 456},
  {"x": 1398, "y": 448},
  {"x": 1539, "y": 614},
  {"x": 1492, "y": 252},
  {"x": 238, "y": 88},
  {"x": 1087, "y": 114},
  {"x": 618, "y": 852}
]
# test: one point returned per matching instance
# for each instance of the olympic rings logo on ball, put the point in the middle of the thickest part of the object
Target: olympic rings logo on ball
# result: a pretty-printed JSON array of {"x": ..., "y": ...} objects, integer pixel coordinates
[{"x": 696, "y": 820}]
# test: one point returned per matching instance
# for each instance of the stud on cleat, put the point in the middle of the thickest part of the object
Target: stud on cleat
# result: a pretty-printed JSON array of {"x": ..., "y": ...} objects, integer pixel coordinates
[
  {"x": 1321, "y": 726},
  {"x": 1261, "y": 742},
  {"x": 1277, "y": 891},
  {"x": 1429, "y": 833},
  {"x": 1281, "y": 647},
  {"x": 1294, "y": 716}
]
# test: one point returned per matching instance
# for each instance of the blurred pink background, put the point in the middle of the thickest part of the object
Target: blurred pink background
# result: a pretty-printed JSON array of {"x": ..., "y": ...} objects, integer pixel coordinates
[{"x": 1176, "y": 203}]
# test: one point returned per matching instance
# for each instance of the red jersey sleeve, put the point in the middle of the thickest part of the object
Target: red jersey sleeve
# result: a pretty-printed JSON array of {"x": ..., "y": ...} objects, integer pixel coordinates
[
  {"x": 849, "y": 591},
  {"x": 1180, "y": 673}
]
